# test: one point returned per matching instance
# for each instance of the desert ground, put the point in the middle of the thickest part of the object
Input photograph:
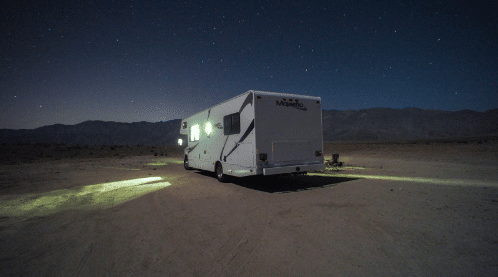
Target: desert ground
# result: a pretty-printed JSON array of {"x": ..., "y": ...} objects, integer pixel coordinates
[{"x": 419, "y": 208}]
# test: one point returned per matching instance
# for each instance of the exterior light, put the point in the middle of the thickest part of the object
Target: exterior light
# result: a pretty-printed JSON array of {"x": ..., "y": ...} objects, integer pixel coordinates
[
  {"x": 208, "y": 128},
  {"x": 180, "y": 141}
]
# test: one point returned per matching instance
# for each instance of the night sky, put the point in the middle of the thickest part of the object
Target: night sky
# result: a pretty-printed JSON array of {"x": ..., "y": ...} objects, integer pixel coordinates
[{"x": 127, "y": 61}]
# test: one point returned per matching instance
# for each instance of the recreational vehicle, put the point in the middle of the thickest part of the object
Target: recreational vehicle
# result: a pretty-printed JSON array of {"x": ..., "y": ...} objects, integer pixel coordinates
[{"x": 256, "y": 133}]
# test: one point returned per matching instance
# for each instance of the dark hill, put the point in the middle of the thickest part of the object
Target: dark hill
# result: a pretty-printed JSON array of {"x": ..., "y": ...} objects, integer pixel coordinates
[
  {"x": 99, "y": 133},
  {"x": 406, "y": 124},
  {"x": 363, "y": 125}
]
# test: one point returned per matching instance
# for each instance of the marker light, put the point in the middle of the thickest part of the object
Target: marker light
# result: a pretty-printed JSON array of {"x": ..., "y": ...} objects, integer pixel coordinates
[
  {"x": 208, "y": 128},
  {"x": 180, "y": 141}
]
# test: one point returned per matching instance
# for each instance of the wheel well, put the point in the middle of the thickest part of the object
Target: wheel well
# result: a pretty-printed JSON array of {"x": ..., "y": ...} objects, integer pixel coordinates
[{"x": 216, "y": 165}]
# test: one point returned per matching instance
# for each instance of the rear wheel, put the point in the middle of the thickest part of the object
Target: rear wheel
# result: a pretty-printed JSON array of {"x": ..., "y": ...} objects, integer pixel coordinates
[
  {"x": 185, "y": 164},
  {"x": 219, "y": 173}
]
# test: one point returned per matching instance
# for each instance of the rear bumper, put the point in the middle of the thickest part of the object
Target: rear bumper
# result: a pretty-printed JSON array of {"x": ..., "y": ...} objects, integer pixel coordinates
[{"x": 292, "y": 169}]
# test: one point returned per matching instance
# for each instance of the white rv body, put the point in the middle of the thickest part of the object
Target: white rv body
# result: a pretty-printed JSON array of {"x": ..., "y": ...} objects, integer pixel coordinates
[{"x": 278, "y": 133}]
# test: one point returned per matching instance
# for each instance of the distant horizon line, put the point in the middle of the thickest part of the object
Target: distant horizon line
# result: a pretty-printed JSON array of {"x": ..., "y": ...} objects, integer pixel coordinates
[{"x": 374, "y": 108}]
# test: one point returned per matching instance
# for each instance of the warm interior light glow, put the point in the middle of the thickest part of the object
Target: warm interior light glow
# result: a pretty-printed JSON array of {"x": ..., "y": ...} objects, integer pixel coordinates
[
  {"x": 195, "y": 132},
  {"x": 165, "y": 161},
  {"x": 123, "y": 168},
  {"x": 92, "y": 196},
  {"x": 208, "y": 128}
]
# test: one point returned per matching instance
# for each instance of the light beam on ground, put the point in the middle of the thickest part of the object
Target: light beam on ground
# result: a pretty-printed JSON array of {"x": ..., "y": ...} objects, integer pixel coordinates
[
  {"x": 436, "y": 181},
  {"x": 103, "y": 195}
]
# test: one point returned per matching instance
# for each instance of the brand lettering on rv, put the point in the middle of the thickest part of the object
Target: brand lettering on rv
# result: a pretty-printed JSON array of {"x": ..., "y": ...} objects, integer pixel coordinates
[{"x": 297, "y": 105}]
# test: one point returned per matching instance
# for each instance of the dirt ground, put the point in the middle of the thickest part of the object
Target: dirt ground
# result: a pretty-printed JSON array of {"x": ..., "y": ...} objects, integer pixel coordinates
[{"x": 394, "y": 209}]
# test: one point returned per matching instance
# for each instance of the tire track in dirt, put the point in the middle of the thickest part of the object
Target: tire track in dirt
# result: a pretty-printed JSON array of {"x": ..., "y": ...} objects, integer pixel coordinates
[
  {"x": 165, "y": 214},
  {"x": 189, "y": 223},
  {"x": 393, "y": 255},
  {"x": 234, "y": 253},
  {"x": 100, "y": 245},
  {"x": 87, "y": 253}
]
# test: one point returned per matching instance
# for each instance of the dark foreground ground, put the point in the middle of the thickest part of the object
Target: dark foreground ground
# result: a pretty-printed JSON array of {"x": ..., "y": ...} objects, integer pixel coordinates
[
  {"x": 394, "y": 209},
  {"x": 29, "y": 153}
]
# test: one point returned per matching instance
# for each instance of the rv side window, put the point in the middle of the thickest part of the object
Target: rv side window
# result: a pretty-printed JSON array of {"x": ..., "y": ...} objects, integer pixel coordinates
[
  {"x": 236, "y": 123},
  {"x": 194, "y": 133},
  {"x": 231, "y": 124}
]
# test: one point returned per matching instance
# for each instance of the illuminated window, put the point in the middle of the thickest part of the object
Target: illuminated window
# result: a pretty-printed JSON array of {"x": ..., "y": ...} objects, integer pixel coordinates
[
  {"x": 208, "y": 128},
  {"x": 194, "y": 133},
  {"x": 180, "y": 141},
  {"x": 231, "y": 124}
]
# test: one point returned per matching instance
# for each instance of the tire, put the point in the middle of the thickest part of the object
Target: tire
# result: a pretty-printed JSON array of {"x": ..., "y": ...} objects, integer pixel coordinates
[
  {"x": 219, "y": 173},
  {"x": 185, "y": 164}
]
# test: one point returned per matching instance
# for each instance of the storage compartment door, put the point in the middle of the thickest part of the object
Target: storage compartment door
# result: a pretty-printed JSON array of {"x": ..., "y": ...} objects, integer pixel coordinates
[{"x": 289, "y": 151}]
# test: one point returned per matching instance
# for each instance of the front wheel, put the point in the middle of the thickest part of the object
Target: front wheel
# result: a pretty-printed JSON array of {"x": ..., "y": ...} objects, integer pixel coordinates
[
  {"x": 185, "y": 164},
  {"x": 219, "y": 173}
]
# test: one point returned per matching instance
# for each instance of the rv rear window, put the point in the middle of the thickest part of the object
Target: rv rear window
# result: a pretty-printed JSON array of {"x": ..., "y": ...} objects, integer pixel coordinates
[{"x": 231, "y": 124}]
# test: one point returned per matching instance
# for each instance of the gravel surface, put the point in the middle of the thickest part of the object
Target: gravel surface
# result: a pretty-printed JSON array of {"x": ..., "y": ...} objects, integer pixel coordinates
[{"x": 393, "y": 209}]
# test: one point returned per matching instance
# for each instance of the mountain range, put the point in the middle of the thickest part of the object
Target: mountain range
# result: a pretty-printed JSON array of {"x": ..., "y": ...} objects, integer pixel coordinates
[
  {"x": 375, "y": 124},
  {"x": 98, "y": 133},
  {"x": 386, "y": 124}
]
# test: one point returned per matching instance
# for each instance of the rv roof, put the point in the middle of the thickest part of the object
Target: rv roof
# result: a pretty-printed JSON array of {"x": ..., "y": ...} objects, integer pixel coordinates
[
  {"x": 257, "y": 92},
  {"x": 284, "y": 95}
]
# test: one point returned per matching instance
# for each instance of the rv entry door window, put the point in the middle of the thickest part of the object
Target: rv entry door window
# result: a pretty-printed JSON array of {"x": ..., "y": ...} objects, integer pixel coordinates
[{"x": 195, "y": 133}]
